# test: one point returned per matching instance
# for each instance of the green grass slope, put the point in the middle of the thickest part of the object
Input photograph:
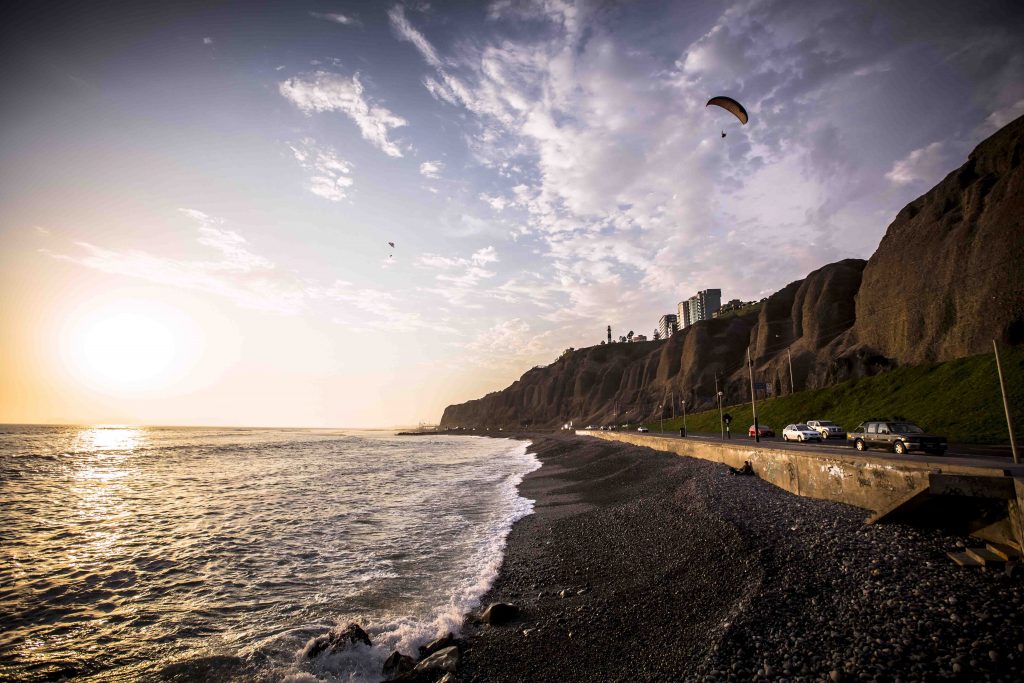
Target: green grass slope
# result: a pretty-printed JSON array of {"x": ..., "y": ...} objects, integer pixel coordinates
[{"x": 959, "y": 399}]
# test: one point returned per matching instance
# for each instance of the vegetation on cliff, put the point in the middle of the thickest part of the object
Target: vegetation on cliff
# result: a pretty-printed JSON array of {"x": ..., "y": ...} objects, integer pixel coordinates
[{"x": 959, "y": 399}]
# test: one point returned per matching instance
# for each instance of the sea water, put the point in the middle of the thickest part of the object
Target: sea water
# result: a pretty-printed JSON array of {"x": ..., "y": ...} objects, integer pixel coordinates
[{"x": 217, "y": 554}]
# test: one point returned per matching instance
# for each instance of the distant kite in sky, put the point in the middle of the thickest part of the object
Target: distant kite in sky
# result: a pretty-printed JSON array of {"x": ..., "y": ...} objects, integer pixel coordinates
[
  {"x": 731, "y": 106},
  {"x": 391, "y": 244}
]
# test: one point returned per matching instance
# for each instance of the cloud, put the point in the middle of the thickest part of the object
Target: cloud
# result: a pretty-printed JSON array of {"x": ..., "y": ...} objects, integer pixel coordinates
[
  {"x": 337, "y": 18},
  {"x": 628, "y": 192},
  {"x": 322, "y": 91},
  {"x": 1005, "y": 115},
  {"x": 406, "y": 32},
  {"x": 331, "y": 176},
  {"x": 251, "y": 280},
  {"x": 431, "y": 169},
  {"x": 207, "y": 41},
  {"x": 460, "y": 278},
  {"x": 510, "y": 344},
  {"x": 925, "y": 165},
  {"x": 496, "y": 202}
]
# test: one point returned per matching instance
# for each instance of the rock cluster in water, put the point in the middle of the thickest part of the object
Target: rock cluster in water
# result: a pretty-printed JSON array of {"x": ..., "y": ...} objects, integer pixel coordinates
[{"x": 439, "y": 659}]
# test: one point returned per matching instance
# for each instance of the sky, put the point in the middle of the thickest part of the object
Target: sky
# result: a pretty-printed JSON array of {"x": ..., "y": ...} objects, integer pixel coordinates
[{"x": 197, "y": 198}]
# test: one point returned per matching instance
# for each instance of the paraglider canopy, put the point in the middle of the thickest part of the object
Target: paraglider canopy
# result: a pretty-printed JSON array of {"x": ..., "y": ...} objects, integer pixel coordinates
[
  {"x": 731, "y": 106},
  {"x": 391, "y": 244}
]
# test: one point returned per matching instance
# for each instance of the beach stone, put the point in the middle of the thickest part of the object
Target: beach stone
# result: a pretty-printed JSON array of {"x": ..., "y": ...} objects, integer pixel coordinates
[
  {"x": 437, "y": 644},
  {"x": 500, "y": 613},
  {"x": 442, "y": 660},
  {"x": 337, "y": 640},
  {"x": 397, "y": 663}
]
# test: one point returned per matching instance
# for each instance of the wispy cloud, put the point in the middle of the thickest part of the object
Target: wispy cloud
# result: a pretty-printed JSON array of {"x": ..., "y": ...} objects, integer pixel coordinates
[
  {"x": 250, "y": 280},
  {"x": 925, "y": 165},
  {"x": 322, "y": 91},
  {"x": 407, "y": 32},
  {"x": 337, "y": 18},
  {"x": 331, "y": 176},
  {"x": 510, "y": 343},
  {"x": 431, "y": 169}
]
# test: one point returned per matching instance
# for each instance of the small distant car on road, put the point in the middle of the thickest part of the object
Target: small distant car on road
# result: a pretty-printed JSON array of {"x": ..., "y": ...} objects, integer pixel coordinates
[
  {"x": 762, "y": 430},
  {"x": 827, "y": 428},
  {"x": 898, "y": 436},
  {"x": 800, "y": 432},
  {"x": 642, "y": 429}
]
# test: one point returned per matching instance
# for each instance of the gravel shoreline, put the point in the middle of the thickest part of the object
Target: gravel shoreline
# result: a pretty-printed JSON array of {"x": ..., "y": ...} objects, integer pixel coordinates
[{"x": 639, "y": 565}]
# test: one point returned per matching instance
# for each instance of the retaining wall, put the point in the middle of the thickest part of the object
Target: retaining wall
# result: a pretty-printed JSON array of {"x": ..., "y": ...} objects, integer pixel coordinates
[{"x": 869, "y": 481}]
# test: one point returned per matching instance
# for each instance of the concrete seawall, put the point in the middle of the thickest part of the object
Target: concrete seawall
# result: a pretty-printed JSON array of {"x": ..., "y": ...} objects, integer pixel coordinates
[{"x": 875, "y": 482}]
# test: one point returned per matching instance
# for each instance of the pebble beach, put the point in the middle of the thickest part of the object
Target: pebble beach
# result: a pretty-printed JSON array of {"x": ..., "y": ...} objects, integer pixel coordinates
[{"x": 643, "y": 566}]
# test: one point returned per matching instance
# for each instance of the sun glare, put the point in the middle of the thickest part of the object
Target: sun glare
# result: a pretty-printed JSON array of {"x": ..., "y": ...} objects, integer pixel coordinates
[{"x": 131, "y": 346}]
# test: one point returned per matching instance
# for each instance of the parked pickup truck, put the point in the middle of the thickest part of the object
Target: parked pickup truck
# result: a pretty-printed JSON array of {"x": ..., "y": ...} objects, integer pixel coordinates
[{"x": 898, "y": 436}]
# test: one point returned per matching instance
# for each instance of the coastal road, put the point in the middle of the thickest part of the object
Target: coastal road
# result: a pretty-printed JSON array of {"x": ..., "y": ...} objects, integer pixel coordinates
[{"x": 971, "y": 452}]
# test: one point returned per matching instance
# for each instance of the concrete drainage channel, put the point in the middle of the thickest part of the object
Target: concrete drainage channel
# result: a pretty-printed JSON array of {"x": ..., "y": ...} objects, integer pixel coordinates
[{"x": 977, "y": 497}]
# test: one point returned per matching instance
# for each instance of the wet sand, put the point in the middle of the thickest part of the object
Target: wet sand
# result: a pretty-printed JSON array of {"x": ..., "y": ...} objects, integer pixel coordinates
[{"x": 643, "y": 566}]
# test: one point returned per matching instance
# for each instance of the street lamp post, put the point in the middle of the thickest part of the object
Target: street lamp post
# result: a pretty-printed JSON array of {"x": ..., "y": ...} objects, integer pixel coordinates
[
  {"x": 684, "y": 417},
  {"x": 721, "y": 419}
]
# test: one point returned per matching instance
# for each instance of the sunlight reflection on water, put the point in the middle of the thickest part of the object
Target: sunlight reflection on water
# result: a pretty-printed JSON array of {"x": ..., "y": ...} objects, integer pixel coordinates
[
  {"x": 124, "y": 550},
  {"x": 108, "y": 438}
]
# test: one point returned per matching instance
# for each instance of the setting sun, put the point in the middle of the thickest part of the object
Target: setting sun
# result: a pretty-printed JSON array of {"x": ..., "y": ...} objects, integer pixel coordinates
[{"x": 126, "y": 346}]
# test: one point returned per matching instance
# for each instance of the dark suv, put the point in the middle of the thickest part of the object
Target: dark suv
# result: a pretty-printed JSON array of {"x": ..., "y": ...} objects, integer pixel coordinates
[{"x": 898, "y": 436}]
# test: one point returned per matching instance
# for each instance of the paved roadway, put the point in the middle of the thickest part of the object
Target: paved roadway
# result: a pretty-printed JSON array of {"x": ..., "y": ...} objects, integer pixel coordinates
[{"x": 974, "y": 451}]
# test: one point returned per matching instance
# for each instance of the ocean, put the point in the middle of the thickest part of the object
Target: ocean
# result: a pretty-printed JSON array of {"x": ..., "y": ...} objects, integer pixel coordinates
[{"x": 132, "y": 553}]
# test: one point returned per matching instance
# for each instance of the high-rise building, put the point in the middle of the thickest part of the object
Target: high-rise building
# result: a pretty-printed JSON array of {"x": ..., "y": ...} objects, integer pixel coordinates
[
  {"x": 667, "y": 325},
  {"x": 693, "y": 306},
  {"x": 710, "y": 300},
  {"x": 683, "y": 318},
  {"x": 701, "y": 306}
]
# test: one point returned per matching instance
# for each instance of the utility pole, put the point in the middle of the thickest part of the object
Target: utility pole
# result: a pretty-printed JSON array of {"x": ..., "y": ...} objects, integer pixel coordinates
[
  {"x": 718, "y": 394},
  {"x": 753, "y": 397},
  {"x": 1006, "y": 404},
  {"x": 792, "y": 385}
]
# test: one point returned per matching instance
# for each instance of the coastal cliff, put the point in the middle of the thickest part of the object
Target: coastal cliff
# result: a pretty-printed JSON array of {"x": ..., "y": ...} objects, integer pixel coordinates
[{"x": 945, "y": 280}]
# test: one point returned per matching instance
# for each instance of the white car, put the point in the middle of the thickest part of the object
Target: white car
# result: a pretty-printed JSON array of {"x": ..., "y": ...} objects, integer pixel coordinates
[
  {"x": 800, "y": 432},
  {"x": 827, "y": 428},
  {"x": 642, "y": 429}
]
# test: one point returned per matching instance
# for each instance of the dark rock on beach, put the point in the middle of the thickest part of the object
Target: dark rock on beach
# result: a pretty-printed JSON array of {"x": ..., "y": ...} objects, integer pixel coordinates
[
  {"x": 671, "y": 569},
  {"x": 498, "y": 613},
  {"x": 437, "y": 644},
  {"x": 337, "y": 640},
  {"x": 397, "y": 664},
  {"x": 446, "y": 659}
]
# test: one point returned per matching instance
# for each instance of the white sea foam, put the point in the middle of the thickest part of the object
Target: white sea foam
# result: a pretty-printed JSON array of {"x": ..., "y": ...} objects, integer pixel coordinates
[{"x": 475, "y": 574}]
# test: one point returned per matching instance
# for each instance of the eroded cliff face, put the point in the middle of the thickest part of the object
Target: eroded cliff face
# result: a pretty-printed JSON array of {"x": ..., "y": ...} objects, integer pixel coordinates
[{"x": 947, "y": 278}]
